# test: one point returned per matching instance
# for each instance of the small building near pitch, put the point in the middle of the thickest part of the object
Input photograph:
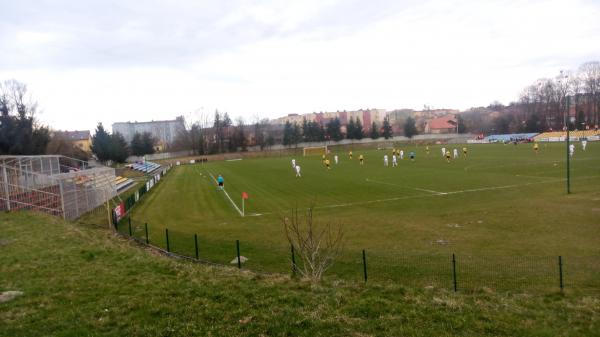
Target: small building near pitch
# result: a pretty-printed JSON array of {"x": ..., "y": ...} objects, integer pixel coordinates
[
  {"x": 79, "y": 139},
  {"x": 439, "y": 125}
]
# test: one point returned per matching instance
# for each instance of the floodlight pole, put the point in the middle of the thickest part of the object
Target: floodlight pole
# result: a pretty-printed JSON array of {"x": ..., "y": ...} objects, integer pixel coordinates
[{"x": 568, "y": 155}]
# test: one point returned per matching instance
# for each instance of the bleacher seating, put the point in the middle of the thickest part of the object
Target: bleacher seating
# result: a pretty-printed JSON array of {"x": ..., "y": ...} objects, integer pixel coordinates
[
  {"x": 510, "y": 137},
  {"x": 146, "y": 167},
  {"x": 122, "y": 182},
  {"x": 555, "y": 135}
]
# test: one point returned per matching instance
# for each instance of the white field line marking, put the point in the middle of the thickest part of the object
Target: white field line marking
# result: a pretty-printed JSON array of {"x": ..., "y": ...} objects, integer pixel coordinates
[
  {"x": 447, "y": 193},
  {"x": 407, "y": 187},
  {"x": 227, "y": 194},
  {"x": 234, "y": 159},
  {"x": 430, "y": 191},
  {"x": 527, "y": 176},
  {"x": 546, "y": 161}
]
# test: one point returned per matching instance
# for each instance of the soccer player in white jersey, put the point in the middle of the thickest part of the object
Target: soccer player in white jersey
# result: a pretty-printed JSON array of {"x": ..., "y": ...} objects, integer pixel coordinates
[
  {"x": 385, "y": 160},
  {"x": 293, "y": 162},
  {"x": 583, "y": 144},
  {"x": 455, "y": 153},
  {"x": 335, "y": 158},
  {"x": 401, "y": 154},
  {"x": 298, "y": 171},
  {"x": 443, "y": 151},
  {"x": 394, "y": 161},
  {"x": 571, "y": 149}
]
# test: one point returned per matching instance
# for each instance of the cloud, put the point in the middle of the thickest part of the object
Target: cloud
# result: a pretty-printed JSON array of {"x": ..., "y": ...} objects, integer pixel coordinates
[{"x": 116, "y": 61}]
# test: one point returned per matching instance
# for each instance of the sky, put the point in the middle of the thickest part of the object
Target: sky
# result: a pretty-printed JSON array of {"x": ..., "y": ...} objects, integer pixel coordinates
[{"x": 91, "y": 61}]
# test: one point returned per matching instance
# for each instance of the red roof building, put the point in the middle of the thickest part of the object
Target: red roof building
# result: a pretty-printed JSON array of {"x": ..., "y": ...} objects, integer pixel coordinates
[{"x": 445, "y": 124}]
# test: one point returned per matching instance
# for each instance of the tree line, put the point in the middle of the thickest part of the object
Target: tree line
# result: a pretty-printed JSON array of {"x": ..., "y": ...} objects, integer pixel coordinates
[
  {"x": 19, "y": 131},
  {"x": 114, "y": 147},
  {"x": 313, "y": 131},
  {"x": 547, "y": 104}
]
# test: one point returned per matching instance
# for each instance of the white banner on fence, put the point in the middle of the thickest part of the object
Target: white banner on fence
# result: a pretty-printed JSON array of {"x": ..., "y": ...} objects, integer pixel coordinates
[{"x": 149, "y": 184}]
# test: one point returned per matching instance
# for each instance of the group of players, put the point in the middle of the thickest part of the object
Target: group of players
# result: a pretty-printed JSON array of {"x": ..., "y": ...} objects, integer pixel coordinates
[
  {"x": 536, "y": 147},
  {"x": 396, "y": 154}
]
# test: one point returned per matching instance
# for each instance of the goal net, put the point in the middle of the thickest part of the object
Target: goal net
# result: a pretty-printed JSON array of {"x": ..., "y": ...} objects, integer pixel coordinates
[{"x": 314, "y": 150}]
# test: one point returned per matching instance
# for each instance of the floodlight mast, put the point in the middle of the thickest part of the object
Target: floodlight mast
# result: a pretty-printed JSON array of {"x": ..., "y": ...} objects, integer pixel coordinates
[{"x": 568, "y": 150}]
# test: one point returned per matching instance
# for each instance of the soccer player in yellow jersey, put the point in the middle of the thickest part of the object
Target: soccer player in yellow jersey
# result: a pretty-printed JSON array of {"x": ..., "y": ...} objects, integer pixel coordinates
[
  {"x": 427, "y": 149},
  {"x": 361, "y": 159},
  {"x": 536, "y": 147},
  {"x": 465, "y": 151},
  {"x": 327, "y": 164},
  {"x": 323, "y": 158},
  {"x": 350, "y": 154},
  {"x": 448, "y": 156}
]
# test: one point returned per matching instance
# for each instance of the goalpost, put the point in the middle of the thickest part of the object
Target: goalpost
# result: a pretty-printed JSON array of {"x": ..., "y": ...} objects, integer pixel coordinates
[{"x": 314, "y": 150}]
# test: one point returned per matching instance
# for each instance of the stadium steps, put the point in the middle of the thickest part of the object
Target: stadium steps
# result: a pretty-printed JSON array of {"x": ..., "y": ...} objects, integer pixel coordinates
[
  {"x": 122, "y": 182},
  {"x": 147, "y": 167},
  {"x": 563, "y": 134}
]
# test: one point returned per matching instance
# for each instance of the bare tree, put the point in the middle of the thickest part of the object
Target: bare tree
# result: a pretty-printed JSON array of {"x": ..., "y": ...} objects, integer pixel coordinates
[
  {"x": 318, "y": 246},
  {"x": 576, "y": 91},
  {"x": 590, "y": 73}
]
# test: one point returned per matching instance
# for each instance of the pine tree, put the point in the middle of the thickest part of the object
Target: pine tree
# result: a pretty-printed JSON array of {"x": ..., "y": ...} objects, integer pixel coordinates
[
  {"x": 101, "y": 143},
  {"x": 296, "y": 134},
  {"x": 148, "y": 143},
  {"x": 410, "y": 129},
  {"x": 288, "y": 134},
  {"x": 359, "y": 133},
  {"x": 118, "y": 148},
  {"x": 350, "y": 129},
  {"x": 374, "y": 131},
  {"x": 136, "y": 145},
  {"x": 387, "y": 128},
  {"x": 334, "y": 129}
]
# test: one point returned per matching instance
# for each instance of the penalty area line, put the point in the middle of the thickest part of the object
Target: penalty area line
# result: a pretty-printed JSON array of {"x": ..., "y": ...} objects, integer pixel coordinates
[{"x": 407, "y": 187}]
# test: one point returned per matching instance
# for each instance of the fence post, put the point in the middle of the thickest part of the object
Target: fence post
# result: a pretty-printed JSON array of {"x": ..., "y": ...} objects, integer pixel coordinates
[
  {"x": 454, "y": 271},
  {"x": 237, "y": 245},
  {"x": 129, "y": 225},
  {"x": 293, "y": 261},
  {"x": 364, "y": 264},
  {"x": 146, "y": 227},
  {"x": 196, "y": 244},
  {"x": 167, "y": 235},
  {"x": 560, "y": 272}
]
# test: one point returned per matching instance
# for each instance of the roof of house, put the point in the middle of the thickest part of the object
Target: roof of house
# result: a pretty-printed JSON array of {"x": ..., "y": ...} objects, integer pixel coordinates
[
  {"x": 75, "y": 135},
  {"x": 445, "y": 122}
]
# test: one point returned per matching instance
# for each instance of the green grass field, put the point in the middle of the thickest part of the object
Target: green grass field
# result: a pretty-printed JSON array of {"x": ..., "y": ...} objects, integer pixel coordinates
[
  {"x": 78, "y": 279},
  {"x": 503, "y": 211}
]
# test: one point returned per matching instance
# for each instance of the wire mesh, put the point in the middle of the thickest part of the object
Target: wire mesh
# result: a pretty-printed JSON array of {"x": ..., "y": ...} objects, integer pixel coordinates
[{"x": 56, "y": 185}]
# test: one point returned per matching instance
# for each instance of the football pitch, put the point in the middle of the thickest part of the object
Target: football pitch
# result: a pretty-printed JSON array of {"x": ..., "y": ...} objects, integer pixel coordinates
[{"x": 499, "y": 202}]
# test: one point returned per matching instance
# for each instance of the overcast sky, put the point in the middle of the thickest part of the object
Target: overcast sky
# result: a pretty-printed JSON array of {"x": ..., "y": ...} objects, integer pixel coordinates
[{"x": 107, "y": 61}]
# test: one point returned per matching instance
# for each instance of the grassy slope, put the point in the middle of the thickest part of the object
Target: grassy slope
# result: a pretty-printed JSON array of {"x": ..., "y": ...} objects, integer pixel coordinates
[
  {"x": 79, "y": 280},
  {"x": 535, "y": 218}
]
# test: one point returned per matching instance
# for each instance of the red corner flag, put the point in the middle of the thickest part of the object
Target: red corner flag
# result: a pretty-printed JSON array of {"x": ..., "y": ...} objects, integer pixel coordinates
[{"x": 244, "y": 195}]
